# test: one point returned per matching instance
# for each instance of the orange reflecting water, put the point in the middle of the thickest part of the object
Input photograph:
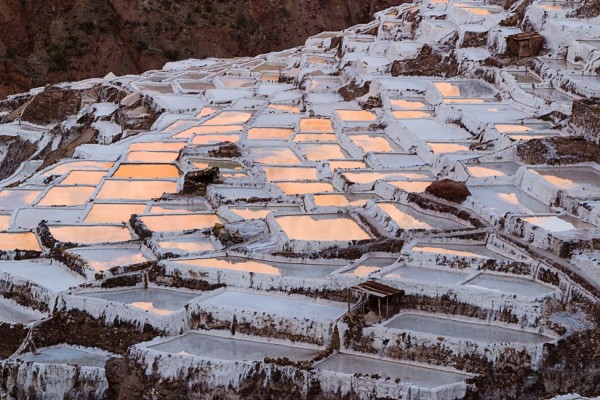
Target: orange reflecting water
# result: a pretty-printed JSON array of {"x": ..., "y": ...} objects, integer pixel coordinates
[
  {"x": 148, "y": 306},
  {"x": 229, "y": 118},
  {"x": 274, "y": 155},
  {"x": 338, "y": 200},
  {"x": 179, "y": 222},
  {"x": 15, "y": 198},
  {"x": 78, "y": 165},
  {"x": 67, "y": 196},
  {"x": 346, "y": 164},
  {"x": 188, "y": 245},
  {"x": 447, "y": 89},
  {"x": 408, "y": 104},
  {"x": 372, "y": 143},
  {"x": 410, "y": 114},
  {"x": 365, "y": 270},
  {"x": 147, "y": 171},
  {"x": 402, "y": 219},
  {"x": 83, "y": 178},
  {"x": 442, "y": 250},
  {"x": 367, "y": 177},
  {"x": 290, "y": 173},
  {"x": 315, "y": 125},
  {"x": 441, "y": 148},
  {"x": 504, "y": 128},
  {"x": 321, "y": 152},
  {"x": 411, "y": 186},
  {"x": 314, "y": 137},
  {"x": 113, "y": 213},
  {"x": 235, "y": 265},
  {"x": 19, "y": 241},
  {"x": 4, "y": 222},
  {"x": 212, "y": 139},
  {"x": 551, "y": 223},
  {"x": 356, "y": 115},
  {"x": 153, "y": 156},
  {"x": 483, "y": 172},
  {"x": 286, "y": 108},
  {"x": 90, "y": 234},
  {"x": 251, "y": 213},
  {"x": 201, "y": 130},
  {"x": 157, "y": 146},
  {"x": 269, "y": 134},
  {"x": 299, "y": 188},
  {"x": 328, "y": 228},
  {"x": 206, "y": 111},
  {"x": 135, "y": 190}
]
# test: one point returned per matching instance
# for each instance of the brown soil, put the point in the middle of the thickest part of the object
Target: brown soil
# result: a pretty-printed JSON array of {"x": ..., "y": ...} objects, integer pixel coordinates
[
  {"x": 19, "y": 150},
  {"x": 450, "y": 190},
  {"x": 79, "y": 328},
  {"x": 429, "y": 62},
  {"x": 558, "y": 151},
  {"x": 62, "y": 40}
]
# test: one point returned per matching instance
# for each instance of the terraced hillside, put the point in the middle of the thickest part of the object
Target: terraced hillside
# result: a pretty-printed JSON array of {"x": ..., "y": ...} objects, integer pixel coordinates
[{"x": 405, "y": 209}]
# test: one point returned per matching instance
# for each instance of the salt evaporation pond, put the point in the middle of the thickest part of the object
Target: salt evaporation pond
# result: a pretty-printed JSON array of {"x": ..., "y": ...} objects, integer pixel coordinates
[
  {"x": 135, "y": 190},
  {"x": 409, "y": 218},
  {"x": 485, "y": 170},
  {"x": 113, "y": 213},
  {"x": 83, "y": 178},
  {"x": 191, "y": 244},
  {"x": 261, "y": 267},
  {"x": 14, "y": 315},
  {"x": 147, "y": 171},
  {"x": 179, "y": 222},
  {"x": 250, "y": 301},
  {"x": 371, "y": 265},
  {"x": 90, "y": 234},
  {"x": 67, "y": 196},
  {"x": 463, "y": 329},
  {"x": 344, "y": 199},
  {"x": 558, "y": 224},
  {"x": 581, "y": 178},
  {"x": 230, "y": 349},
  {"x": 157, "y": 301},
  {"x": 64, "y": 354},
  {"x": 407, "y": 373},
  {"x": 11, "y": 199},
  {"x": 274, "y": 155},
  {"x": 511, "y": 285},
  {"x": 290, "y": 173},
  {"x": 104, "y": 258},
  {"x": 321, "y": 227},
  {"x": 501, "y": 198},
  {"x": 458, "y": 250},
  {"x": 19, "y": 241},
  {"x": 44, "y": 272},
  {"x": 427, "y": 275}
]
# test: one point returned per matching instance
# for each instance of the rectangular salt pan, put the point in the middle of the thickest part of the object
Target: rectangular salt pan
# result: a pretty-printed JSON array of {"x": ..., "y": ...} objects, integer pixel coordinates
[
  {"x": 67, "y": 355},
  {"x": 511, "y": 285},
  {"x": 156, "y": 301},
  {"x": 407, "y": 373},
  {"x": 231, "y": 349},
  {"x": 297, "y": 308},
  {"x": 428, "y": 275},
  {"x": 464, "y": 330}
]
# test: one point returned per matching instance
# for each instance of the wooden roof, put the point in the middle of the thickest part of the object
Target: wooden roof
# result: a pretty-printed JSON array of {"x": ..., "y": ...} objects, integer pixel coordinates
[{"x": 376, "y": 289}]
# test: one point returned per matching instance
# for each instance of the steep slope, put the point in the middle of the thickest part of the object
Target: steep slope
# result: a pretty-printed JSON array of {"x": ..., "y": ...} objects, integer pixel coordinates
[{"x": 60, "y": 40}]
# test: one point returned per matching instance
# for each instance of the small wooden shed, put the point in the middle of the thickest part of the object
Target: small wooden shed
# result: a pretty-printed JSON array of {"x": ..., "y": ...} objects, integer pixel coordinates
[
  {"x": 526, "y": 44},
  {"x": 373, "y": 294}
]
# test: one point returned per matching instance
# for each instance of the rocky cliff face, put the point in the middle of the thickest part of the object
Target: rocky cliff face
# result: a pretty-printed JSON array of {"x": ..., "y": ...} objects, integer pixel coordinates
[{"x": 61, "y": 40}]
